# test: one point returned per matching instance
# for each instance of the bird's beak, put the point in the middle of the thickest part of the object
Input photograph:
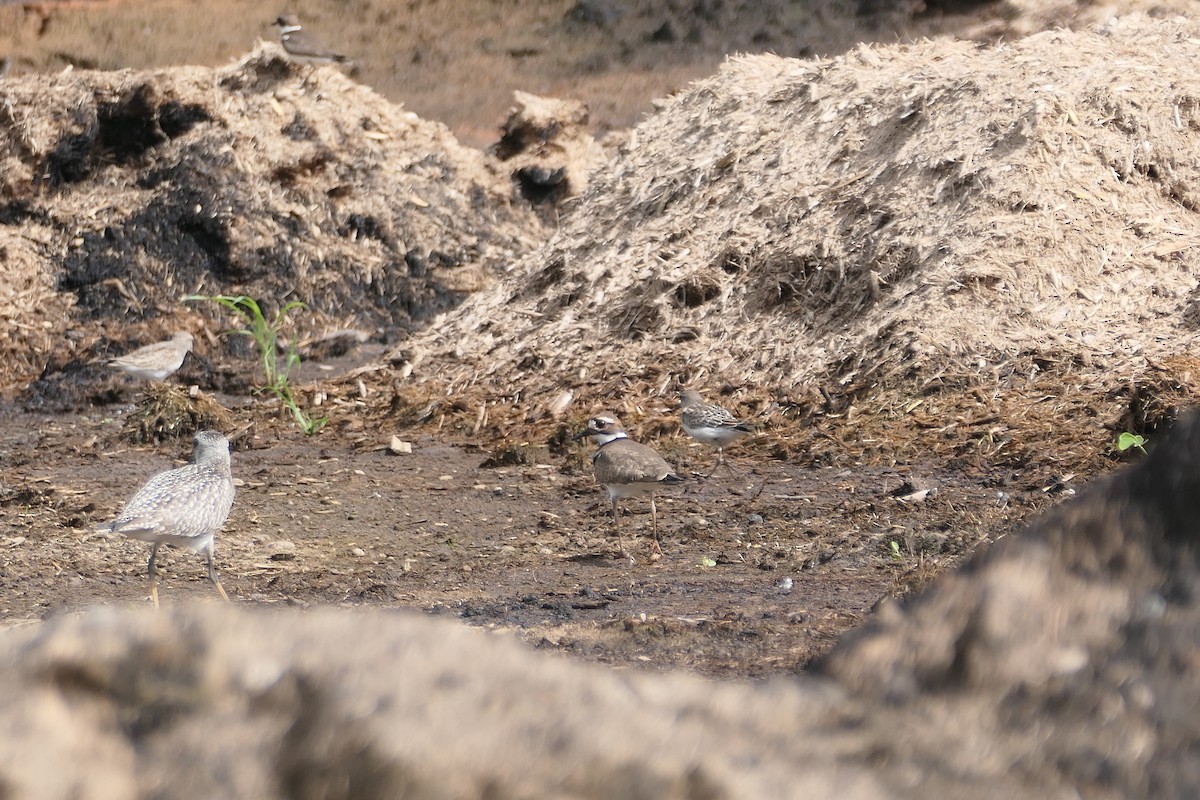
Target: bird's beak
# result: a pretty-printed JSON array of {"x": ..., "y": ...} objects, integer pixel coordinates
[{"x": 580, "y": 435}]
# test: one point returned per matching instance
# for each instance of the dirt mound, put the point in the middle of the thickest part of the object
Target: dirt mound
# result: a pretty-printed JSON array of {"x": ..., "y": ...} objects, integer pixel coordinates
[
  {"x": 939, "y": 212},
  {"x": 123, "y": 191}
]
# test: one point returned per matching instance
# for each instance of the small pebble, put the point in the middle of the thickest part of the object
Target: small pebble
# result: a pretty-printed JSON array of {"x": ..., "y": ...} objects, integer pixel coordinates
[{"x": 754, "y": 519}]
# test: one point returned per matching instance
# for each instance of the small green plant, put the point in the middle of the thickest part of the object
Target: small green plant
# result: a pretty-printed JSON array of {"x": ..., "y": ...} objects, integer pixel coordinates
[
  {"x": 266, "y": 337},
  {"x": 1129, "y": 440},
  {"x": 707, "y": 562},
  {"x": 894, "y": 546}
]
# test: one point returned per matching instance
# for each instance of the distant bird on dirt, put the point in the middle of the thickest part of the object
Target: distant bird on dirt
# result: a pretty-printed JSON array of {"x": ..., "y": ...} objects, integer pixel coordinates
[
  {"x": 626, "y": 469},
  {"x": 184, "y": 507},
  {"x": 710, "y": 424},
  {"x": 302, "y": 46},
  {"x": 154, "y": 362}
]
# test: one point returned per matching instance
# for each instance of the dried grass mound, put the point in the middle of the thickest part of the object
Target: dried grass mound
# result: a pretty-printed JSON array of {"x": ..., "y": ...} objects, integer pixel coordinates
[
  {"x": 120, "y": 192},
  {"x": 894, "y": 215},
  {"x": 170, "y": 412}
]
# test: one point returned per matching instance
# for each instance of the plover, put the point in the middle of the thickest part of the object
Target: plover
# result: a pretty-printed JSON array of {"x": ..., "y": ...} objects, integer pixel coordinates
[
  {"x": 154, "y": 362},
  {"x": 301, "y": 46},
  {"x": 710, "y": 424},
  {"x": 626, "y": 469},
  {"x": 184, "y": 507}
]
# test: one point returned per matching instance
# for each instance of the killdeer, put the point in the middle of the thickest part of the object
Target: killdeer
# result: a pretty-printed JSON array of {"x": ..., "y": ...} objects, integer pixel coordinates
[
  {"x": 154, "y": 362},
  {"x": 301, "y": 46},
  {"x": 626, "y": 469},
  {"x": 710, "y": 424},
  {"x": 184, "y": 507}
]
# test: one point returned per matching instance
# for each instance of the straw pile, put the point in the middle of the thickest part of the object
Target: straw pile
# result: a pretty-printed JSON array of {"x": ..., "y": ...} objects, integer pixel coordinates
[
  {"x": 811, "y": 232},
  {"x": 120, "y": 192}
]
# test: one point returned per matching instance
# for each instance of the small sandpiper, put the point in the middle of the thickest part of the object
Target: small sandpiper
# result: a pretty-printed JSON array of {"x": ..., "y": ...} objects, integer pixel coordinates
[
  {"x": 710, "y": 424},
  {"x": 184, "y": 507},
  {"x": 626, "y": 469},
  {"x": 302, "y": 46},
  {"x": 155, "y": 362}
]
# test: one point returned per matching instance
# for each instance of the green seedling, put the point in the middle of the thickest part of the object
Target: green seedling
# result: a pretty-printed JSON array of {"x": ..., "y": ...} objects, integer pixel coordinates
[
  {"x": 1129, "y": 440},
  {"x": 894, "y": 546},
  {"x": 266, "y": 338},
  {"x": 707, "y": 562}
]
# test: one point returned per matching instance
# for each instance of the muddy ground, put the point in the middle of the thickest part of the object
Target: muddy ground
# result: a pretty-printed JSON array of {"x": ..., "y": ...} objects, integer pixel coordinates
[{"x": 765, "y": 563}]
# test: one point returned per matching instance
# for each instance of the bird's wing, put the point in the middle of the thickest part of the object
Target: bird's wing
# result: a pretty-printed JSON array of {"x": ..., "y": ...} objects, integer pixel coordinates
[
  {"x": 723, "y": 418},
  {"x": 143, "y": 353},
  {"x": 650, "y": 464},
  {"x": 184, "y": 501}
]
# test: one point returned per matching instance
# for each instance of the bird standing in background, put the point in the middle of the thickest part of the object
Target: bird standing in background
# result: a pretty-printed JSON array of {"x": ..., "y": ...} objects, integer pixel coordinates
[
  {"x": 710, "y": 424},
  {"x": 184, "y": 507},
  {"x": 302, "y": 46},
  {"x": 155, "y": 362},
  {"x": 626, "y": 469}
]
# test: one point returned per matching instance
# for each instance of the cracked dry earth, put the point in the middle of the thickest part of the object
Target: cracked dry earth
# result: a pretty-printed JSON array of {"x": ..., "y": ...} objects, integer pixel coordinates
[{"x": 765, "y": 564}]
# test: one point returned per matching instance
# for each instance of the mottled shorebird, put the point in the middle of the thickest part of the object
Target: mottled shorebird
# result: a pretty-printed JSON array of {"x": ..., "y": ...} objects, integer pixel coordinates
[
  {"x": 154, "y": 362},
  {"x": 710, "y": 424},
  {"x": 184, "y": 507},
  {"x": 302, "y": 46},
  {"x": 626, "y": 469}
]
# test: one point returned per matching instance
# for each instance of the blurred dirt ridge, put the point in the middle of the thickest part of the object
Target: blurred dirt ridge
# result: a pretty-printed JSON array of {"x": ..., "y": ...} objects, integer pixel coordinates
[{"x": 1089, "y": 614}]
